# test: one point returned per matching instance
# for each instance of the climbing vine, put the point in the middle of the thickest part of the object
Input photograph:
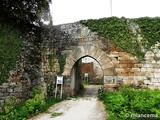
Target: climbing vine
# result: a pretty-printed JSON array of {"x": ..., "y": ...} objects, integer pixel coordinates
[
  {"x": 61, "y": 60},
  {"x": 10, "y": 46},
  {"x": 52, "y": 60},
  {"x": 120, "y": 31},
  {"x": 150, "y": 29}
]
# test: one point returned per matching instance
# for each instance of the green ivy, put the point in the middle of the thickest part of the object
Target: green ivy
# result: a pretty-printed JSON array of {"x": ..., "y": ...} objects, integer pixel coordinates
[
  {"x": 62, "y": 62},
  {"x": 120, "y": 32},
  {"x": 52, "y": 60},
  {"x": 10, "y": 46},
  {"x": 150, "y": 30}
]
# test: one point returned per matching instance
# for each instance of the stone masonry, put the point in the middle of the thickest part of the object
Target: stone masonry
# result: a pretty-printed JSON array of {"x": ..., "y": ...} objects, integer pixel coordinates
[
  {"x": 118, "y": 66},
  {"x": 77, "y": 41}
]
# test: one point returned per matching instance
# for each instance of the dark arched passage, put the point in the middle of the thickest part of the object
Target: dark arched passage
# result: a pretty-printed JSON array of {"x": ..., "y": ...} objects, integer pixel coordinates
[{"x": 77, "y": 72}]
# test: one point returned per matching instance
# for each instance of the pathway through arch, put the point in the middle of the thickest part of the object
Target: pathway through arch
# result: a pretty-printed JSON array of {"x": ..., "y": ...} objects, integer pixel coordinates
[{"x": 87, "y": 107}]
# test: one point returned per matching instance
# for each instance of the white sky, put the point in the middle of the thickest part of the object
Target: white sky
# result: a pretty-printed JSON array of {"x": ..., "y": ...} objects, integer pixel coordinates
[{"x": 67, "y": 11}]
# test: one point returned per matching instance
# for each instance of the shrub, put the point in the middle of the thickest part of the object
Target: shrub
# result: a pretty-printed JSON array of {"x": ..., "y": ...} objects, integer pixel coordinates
[
  {"x": 131, "y": 101},
  {"x": 31, "y": 107}
]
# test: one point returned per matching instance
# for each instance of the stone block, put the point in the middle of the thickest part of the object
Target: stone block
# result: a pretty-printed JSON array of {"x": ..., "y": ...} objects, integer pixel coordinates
[
  {"x": 109, "y": 72},
  {"x": 104, "y": 60},
  {"x": 123, "y": 74},
  {"x": 157, "y": 54},
  {"x": 128, "y": 81},
  {"x": 137, "y": 65},
  {"x": 66, "y": 72},
  {"x": 135, "y": 70},
  {"x": 143, "y": 69},
  {"x": 3, "y": 89},
  {"x": 68, "y": 66},
  {"x": 94, "y": 52},
  {"x": 157, "y": 75},
  {"x": 12, "y": 83},
  {"x": 102, "y": 56},
  {"x": 140, "y": 77},
  {"x": 151, "y": 70},
  {"x": 1, "y": 94},
  {"x": 97, "y": 54},
  {"x": 125, "y": 61},
  {"x": 148, "y": 65},
  {"x": 140, "y": 81},
  {"x": 18, "y": 89},
  {"x": 156, "y": 84},
  {"x": 154, "y": 80},
  {"x": 121, "y": 66},
  {"x": 147, "y": 81},
  {"x": 108, "y": 65},
  {"x": 5, "y": 84},
  {"x": 10, "y": 90},
  {"x": 108, "y": 81},
  {"x": 5, "y": 94},
  {"x": 119, "y": 70},
  {"x": 114, "y": 54}
]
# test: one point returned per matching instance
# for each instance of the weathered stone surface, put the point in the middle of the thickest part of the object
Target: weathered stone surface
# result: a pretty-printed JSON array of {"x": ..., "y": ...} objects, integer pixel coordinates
[
  {"x": 109, "y": 72},
  {"x": 104, "y": 60},
  {"x": 66, "y": 72},
  {"x": 108, "y": 65}
]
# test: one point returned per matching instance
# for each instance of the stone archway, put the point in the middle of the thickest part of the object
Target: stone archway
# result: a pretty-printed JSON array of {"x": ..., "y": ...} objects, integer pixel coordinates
[
  {"x": 76, "y": 78},
  {"x": 81, "y": 51},
  {"x": 75, "y": 41}
]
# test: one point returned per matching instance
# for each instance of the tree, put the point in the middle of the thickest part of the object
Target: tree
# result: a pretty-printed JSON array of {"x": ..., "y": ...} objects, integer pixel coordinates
[{"x": 20, "y": 12}]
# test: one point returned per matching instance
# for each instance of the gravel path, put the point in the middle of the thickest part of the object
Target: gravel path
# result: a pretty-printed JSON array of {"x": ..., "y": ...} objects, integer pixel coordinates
[{"x": 87, "y": 107}]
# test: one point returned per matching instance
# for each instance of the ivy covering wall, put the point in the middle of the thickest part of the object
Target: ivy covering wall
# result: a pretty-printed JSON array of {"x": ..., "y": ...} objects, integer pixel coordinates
[
  {"x": 10, "y": 46},
  {"x": 61, "y": 60},
  {"x": 124, "y": 32}
]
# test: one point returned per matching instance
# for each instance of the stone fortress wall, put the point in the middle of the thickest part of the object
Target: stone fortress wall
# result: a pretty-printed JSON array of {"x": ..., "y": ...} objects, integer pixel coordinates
[{"x": 76, "y": 41}]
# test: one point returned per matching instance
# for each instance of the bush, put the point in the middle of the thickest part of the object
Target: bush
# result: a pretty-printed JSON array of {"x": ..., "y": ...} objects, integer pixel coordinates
[
  {"x": 31, "y": 107},
  {"x": 131, "y": 101}
]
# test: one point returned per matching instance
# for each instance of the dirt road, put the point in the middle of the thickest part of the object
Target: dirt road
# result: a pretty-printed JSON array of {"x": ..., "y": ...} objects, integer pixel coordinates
[{"x": 87, "y": 107}]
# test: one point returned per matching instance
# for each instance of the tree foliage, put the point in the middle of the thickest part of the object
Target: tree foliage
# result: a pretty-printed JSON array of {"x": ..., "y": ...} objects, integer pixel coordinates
[{"x": 19, "y": 12}]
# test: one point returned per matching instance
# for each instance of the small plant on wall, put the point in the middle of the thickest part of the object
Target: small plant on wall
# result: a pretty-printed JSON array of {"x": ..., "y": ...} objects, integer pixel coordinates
[
  {"x": 51, "y": 61},
  {"x": 62, "y": 61},
  {"x": 56, "y": 64},
  {"x": 54, "y": 60}
]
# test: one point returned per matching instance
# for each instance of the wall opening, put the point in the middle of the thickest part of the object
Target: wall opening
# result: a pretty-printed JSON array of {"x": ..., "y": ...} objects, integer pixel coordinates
[{"x": 85, "y": 70}]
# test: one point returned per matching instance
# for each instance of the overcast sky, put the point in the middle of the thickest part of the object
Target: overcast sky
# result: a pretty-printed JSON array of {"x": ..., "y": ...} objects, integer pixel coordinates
[{"x": 67, "y": 11}]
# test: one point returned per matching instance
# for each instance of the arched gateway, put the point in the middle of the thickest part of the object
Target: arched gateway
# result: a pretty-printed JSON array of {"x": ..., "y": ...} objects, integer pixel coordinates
[
  {"x": 77, "y": 41},
  {"x": 79, "y": 52}
]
